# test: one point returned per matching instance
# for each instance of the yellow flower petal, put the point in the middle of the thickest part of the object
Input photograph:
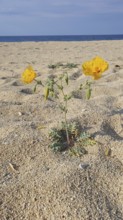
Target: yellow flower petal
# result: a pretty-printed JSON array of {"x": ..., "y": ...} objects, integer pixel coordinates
[
  {"x": 28, "y": 75},
  {"x": 95, "y": 67}
]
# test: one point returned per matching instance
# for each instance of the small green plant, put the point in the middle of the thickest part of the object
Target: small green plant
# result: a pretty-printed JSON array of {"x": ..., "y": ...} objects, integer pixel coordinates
[
  {"x": 79, "y": 148},
  {"x": 59, "y": 139},
  {"x": 78, "y": 140},
  {"x": 55, "y": 87},
  {"x": 78, "y": 151},
  {"x": 85, "y": 139}
]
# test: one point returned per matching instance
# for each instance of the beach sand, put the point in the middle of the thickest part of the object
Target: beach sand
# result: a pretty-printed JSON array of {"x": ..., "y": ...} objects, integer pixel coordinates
[{"x": 36, "y": 183}]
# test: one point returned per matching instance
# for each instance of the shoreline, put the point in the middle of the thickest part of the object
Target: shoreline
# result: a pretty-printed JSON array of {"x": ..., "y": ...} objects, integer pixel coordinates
[
  {"x": 60, "y": 38},
  {"x": 75, "y": 41}
]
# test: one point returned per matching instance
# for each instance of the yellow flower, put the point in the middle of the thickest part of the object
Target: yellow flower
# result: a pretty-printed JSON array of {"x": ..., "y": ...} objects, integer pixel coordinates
[
  {"x": 28, "y": 75},
  {"x": 95, "y": 67}
]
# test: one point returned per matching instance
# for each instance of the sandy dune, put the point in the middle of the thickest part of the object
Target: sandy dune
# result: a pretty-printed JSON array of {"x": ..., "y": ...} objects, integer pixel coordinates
[{"x": 37, "y": 184}]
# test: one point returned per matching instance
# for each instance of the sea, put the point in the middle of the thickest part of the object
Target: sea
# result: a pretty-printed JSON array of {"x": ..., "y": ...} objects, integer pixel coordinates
[{"x": 60, "y": 38}]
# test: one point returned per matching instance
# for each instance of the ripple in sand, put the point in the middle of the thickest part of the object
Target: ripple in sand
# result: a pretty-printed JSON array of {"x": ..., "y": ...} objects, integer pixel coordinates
[
  {"x": 75, "y": 75},
  {"x": 3, "y": 77},
  {"x": 16, "y": 83},
  {"x": 27, "y": 91},
  {"x": 117, "y": 68}
]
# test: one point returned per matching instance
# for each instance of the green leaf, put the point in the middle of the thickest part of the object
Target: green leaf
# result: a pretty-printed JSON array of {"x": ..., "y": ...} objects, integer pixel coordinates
[
  {"x": 52, "y": 94},
  {"x": 88, "y": 89},
  {"x": 46, "y": 93},
  {"x": 35, "y": 87},
  {"x": 60, "y": 87},
  {"x": 78, "y": 151},
  {"x": 108, "y": 152},
  {"x": 63, "y": 108},
  {"x": 66, "y": 78},
  {"x": 81, "y": 87},
  {"x": 67, "y": 97},
  {"x": 61, "y": 76},
  {"x": 88, "y": 93}
]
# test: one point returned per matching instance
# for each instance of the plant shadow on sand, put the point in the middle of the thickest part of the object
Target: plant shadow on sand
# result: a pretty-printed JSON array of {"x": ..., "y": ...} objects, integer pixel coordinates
[{"x": 108, "y": 130}]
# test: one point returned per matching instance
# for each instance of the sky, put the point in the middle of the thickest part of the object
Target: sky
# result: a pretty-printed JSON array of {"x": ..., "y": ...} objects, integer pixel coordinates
[{"x": 61, "y": 17}]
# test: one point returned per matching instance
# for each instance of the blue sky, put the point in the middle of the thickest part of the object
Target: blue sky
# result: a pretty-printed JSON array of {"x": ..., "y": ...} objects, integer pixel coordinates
[{"x": 61, "y": 17}]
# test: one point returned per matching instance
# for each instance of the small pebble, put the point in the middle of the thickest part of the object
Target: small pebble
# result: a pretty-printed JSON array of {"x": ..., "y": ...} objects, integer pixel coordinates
[
  {"x": 83, "y": 110},
  {"x": 20, "y": 113},
  {"x": 83, "y": 165},
  {"x": 11, "y": 167}
]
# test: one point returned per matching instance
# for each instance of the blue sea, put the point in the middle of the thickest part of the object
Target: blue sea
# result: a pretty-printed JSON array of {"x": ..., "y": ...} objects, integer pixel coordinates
[{"x": 60, "y": 38}]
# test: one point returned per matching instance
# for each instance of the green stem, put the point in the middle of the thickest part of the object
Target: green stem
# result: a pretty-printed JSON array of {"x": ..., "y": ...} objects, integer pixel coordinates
[
  {"x": 66, "y": 124},
  {"x": 65, "y": 116}
]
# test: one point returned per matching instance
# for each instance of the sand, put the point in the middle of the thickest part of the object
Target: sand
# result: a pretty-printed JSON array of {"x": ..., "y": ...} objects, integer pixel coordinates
[{"x": 36, "y": 183}]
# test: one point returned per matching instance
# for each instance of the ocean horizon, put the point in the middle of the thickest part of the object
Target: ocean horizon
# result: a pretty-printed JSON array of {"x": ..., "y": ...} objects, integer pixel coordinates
[{"x": 60, "y": 38}]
